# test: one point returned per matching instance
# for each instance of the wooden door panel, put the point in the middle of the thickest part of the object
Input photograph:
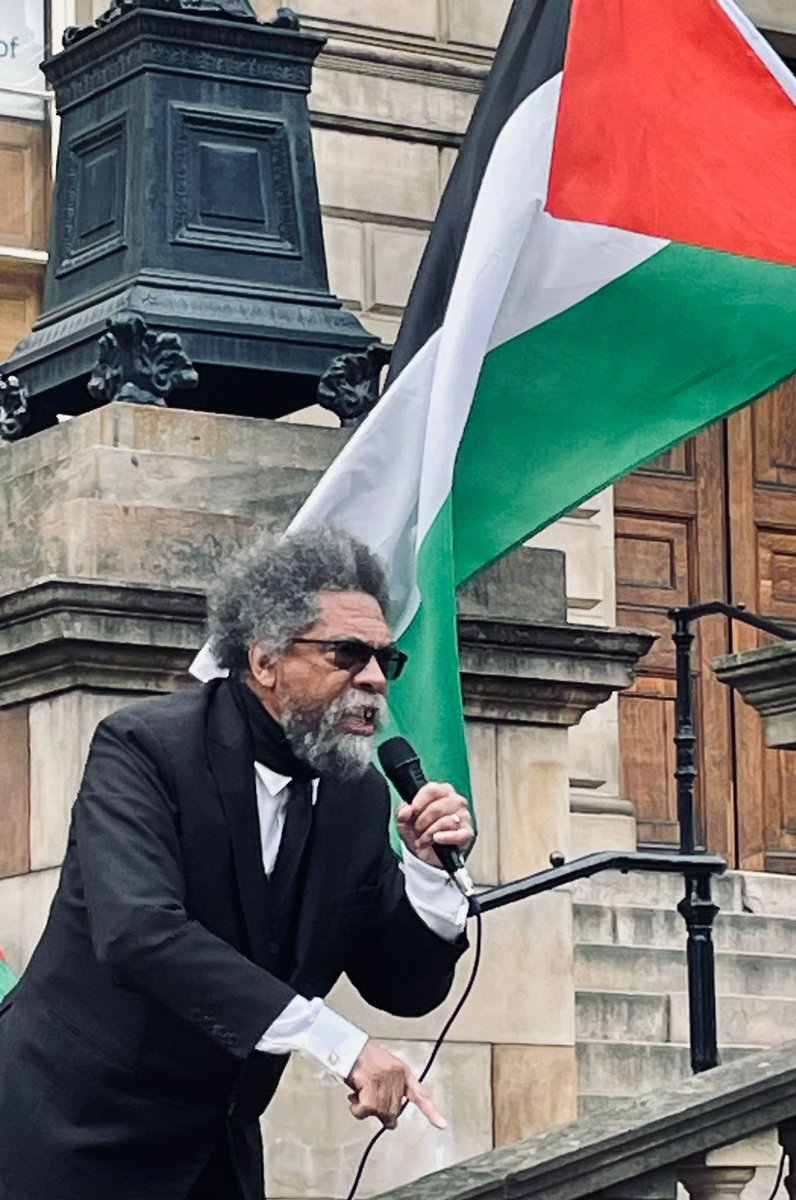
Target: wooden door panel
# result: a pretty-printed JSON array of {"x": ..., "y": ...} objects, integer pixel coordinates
[
  {"x": 669, "y": 552},
  {"x": 774, "y": 425},
  {"x": 776, "y": 568},
  {"x": 652, "y": 561},
  {"x": 714, "y": 518},
  {"x": 762, "y": 535}
]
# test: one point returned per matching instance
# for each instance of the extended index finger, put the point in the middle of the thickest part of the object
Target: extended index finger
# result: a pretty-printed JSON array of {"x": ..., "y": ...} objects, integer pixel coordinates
[{"x": 421, "y": 1099}]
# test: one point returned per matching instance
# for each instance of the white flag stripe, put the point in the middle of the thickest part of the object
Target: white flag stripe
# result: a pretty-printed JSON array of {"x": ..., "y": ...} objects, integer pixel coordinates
[
  {"x": 761, "y": 47},
  {"x": 371, "y": 488}
]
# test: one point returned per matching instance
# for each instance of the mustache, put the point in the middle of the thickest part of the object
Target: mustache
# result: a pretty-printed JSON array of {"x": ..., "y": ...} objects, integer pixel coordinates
[{"x": 361, "y": 704}]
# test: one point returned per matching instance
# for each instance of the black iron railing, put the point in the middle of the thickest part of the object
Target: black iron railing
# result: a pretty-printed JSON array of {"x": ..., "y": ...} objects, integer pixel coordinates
[{"x": 697, "y": 907}]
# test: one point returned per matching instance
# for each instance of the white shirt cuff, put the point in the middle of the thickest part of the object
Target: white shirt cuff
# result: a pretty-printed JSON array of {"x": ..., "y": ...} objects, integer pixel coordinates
[
  {"x": 434, "y": 897},
  {"x": 309, "y": 1027}
]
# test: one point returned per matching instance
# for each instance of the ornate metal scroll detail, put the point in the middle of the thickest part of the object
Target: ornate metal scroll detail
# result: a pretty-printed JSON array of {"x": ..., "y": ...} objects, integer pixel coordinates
[
  {"x": 14, "y": 408},
  {"x": 349, "y": 387},
  {"x": 234, "y": 10},
  {"x": 138, "y": 365}
]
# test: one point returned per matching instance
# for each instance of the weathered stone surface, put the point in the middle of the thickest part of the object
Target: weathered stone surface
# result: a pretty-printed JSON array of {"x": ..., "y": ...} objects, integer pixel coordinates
[
  {"x": 591, "y": 832},
  {"x": 715, "y": 1183},
  {"x": 543, "y": 674},
  {"x": 14, "y": 792},
  {"x": 766, "y": 678},
  {"x": 527, "y": 585},
  {"x": 533, "y": 785},
  {"x": 473, "y": 22},
  {"x": 635, "y": 926},
  {"x": 396, "y": 255},
  {"x": 619, "y": 1016},
  {"x": 635, "y": 968},
  {"x": 405, "y": 16},
  {"x": 524, "y": 994},
  {"x": 345, "y": 255},
  {"x": 313, "y": 1144},
  {"x": 61, "y": 728},
  {"x": 612, "y": 888},
  {"x": 742, "y": 1020},
  {"x": 406, "y": 184},
  {"x": 376, "y": 99},
  {"x": 655, "y": 1185},
  {"x": 482, "y": 749},
  {"x": 55, "y": 636}
]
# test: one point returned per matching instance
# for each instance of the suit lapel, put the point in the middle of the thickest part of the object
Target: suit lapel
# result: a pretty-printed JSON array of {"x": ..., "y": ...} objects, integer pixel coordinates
[{"x": 232, "y": 764}]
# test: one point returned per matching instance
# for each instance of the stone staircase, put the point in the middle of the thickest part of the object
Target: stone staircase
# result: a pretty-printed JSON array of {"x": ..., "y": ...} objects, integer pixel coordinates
[{"x": 630, "y": 977}]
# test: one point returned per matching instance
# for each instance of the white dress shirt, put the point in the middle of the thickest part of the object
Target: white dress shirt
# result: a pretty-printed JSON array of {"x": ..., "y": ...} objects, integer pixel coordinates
[{"x": 310, "y": 1026}]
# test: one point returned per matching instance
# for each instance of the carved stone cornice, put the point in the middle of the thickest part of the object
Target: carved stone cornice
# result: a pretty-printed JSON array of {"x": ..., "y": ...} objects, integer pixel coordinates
[
  {"x": 428, "y": 67},
  {"x": 543, "y": 674},
  {"x": 60, "y": 634},
  {"x": 148, "y": 38},
  {"x": 766, "y": 678}
]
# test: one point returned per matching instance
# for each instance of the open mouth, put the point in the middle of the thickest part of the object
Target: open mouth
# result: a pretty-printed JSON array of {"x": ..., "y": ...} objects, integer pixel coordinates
[{"x": 361, "y": 721}]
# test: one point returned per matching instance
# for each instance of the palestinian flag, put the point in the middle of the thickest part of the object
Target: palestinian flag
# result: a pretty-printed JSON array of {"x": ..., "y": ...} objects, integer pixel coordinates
[{"x": 612, "y": 268}]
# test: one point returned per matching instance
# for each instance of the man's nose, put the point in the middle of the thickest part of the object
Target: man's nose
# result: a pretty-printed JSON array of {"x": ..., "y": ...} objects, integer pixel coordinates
[{"x": 371, "y": 676}]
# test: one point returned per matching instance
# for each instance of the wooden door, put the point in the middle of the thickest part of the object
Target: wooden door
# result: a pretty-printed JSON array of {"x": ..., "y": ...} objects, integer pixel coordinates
[
  {"x": 715, "y": 518},
  {"x": 671, "y": 549},
  {"x": 762, "y": 539}
]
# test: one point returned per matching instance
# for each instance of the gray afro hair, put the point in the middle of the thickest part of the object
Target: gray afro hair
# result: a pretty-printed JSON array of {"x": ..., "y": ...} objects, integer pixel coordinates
[{"x": 268, "y": 593}]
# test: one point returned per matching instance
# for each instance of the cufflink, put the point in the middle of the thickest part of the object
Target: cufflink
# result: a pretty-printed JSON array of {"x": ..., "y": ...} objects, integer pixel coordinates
[{"x": 333, "y": 1058}]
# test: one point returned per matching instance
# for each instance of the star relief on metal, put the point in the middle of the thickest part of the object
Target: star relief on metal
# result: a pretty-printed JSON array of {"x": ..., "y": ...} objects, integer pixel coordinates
[{"x": 138, "y": 364}]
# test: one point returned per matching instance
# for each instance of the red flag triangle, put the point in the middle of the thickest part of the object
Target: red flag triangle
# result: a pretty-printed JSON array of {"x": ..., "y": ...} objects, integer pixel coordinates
[{"x": 671, "y": 124}]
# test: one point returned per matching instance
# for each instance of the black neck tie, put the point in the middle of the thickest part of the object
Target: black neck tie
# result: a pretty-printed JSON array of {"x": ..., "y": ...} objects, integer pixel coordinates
[{"x": 298, "y": 821}]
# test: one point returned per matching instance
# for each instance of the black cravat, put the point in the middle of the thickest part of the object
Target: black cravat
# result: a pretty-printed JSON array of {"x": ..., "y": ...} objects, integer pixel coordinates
[{"x": 268, "y": 742}]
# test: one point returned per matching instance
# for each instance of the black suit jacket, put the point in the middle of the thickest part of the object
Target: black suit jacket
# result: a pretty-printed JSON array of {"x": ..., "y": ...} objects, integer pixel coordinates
[{"x": 127, "y": 1048}]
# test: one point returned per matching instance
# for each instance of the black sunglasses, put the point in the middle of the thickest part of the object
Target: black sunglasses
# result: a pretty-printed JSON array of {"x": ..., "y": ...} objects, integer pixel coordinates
[{"x": 349, "y": 654}]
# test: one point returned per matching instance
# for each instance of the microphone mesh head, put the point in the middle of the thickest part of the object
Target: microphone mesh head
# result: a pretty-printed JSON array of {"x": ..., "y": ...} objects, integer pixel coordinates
[{"x": 394, "y": 752}]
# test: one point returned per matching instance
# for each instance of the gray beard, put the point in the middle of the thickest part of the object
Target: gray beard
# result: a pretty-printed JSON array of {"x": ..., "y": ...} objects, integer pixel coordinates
[{"x": 314, "y": 735}]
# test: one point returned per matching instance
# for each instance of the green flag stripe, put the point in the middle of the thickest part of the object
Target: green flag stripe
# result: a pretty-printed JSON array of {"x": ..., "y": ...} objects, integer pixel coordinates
[
  {"x": 425, "y": 703},
  {"x": 568, "y": 406}
]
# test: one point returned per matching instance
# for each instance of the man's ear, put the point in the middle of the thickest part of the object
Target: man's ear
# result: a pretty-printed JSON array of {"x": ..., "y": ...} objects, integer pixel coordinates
[{"x": 262, "y": 666}]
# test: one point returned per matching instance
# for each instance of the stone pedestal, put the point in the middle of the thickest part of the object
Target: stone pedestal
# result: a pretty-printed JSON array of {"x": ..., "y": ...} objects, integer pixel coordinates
[
  {"x": 114, "y": 523},
  {"x": 766, "y": 678}
]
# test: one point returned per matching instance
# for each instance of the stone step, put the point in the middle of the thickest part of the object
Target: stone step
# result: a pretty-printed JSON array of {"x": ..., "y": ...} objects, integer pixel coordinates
[
  {"x": 622, "y": 1016},
  {"x": 612, "y": 968},
  {"x": 738, "y": 891},
  {"x": 655, "y": 890},
  {"x": 634, "y": 1068},
  {"x": 663, "y": 1018},
  {"x": 623, "y": 925}
]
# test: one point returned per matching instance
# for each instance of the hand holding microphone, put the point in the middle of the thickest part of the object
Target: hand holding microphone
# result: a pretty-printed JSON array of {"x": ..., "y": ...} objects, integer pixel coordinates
[{"x": 434, "y": 820}]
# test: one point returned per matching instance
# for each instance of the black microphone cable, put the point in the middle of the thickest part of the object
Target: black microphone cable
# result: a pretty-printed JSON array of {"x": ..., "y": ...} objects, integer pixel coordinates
[{"x": 474, "y": 911}]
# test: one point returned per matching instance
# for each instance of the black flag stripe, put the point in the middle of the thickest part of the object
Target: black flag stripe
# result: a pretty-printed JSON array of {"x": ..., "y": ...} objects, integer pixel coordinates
[{"x": 531, "y": 51}]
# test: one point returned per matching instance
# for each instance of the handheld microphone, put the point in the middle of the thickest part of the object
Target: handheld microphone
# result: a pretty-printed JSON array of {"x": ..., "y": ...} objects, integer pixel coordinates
[{"x": 401, "y": 765}]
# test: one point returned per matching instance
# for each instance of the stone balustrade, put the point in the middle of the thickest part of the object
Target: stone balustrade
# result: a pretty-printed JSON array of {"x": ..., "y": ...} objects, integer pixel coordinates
[{"x": 718, "y": 1135}]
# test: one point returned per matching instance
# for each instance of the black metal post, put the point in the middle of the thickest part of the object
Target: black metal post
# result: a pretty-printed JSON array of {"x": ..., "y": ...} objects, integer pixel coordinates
[{"x": 697, "y": 907}]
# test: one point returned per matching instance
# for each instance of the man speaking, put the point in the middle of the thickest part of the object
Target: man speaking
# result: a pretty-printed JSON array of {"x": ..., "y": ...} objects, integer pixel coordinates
[{"x": 228, "y": 860}]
